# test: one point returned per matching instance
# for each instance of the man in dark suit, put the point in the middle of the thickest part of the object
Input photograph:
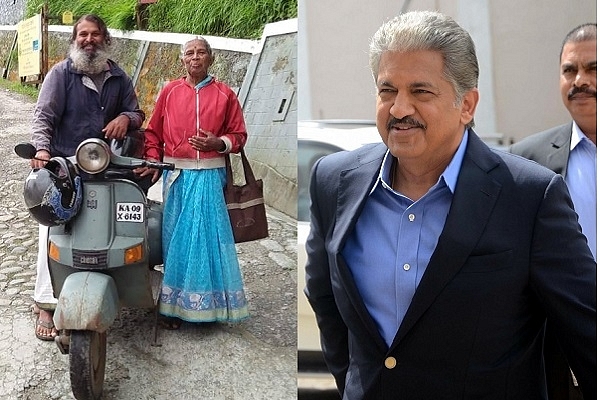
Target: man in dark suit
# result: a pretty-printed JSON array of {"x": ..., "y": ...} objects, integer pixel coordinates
[
  {"x": 433, "y": 261},
  {"x": 570, "y": 150}
]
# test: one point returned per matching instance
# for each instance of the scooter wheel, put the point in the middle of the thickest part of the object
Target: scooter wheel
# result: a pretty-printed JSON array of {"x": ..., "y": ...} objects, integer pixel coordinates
[{"x": 87, "y": 361}]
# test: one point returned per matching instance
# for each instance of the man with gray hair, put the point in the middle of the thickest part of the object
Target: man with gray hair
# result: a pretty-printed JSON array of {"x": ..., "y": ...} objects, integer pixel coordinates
[
  {"x": 86, "y": 95},
  {"x": 434, "y": 261},
  {"x": 570, "y": 150}
]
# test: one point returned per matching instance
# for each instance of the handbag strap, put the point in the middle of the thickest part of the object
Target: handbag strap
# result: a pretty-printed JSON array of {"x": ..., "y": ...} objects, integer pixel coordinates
[{"x": 248, "y": 173}]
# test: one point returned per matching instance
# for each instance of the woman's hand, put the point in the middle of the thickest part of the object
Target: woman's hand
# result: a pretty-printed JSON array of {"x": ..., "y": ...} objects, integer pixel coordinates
[
  {"x": 208, "y": 143},
  {"x": 145, "y": 171}
]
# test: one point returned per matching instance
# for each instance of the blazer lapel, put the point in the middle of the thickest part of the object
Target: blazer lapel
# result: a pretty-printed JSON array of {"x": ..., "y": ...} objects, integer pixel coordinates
[
  {"x": 354, "y": 187},
  {"x": 557, "y": 158},
  {"x": 475, "y": 195}
]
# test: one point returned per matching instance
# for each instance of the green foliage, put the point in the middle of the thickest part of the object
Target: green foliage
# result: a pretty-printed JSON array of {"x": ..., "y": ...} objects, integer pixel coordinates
[
  {"x": 118, "y": 14},
  {"x": 122, "y": 15},
  {"x": 29, "y": 91},
  {"x": 228, "y": 18}
]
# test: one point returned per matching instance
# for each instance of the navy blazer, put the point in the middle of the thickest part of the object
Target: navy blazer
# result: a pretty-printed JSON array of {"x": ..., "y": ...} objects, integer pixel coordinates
[
  {"x": 509, "y": 256},
  {"x": 551, "y": 148}
]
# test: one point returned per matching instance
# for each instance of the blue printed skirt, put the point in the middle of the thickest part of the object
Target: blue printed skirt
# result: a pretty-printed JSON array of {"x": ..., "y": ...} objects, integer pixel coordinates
[{"x": 202, "y": 280}]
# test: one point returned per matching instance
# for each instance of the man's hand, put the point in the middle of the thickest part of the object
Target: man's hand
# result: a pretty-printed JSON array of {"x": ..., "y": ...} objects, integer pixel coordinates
[
  {"x": 42, "y": 155},
  {"x": 145, "y": 171},
  {"x": 117, "y": 128},
  {"x": 208, "y": 143}
]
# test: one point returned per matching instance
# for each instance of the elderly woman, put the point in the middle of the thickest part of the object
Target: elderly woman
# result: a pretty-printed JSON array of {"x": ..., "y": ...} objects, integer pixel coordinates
[{"x": 197, "y": 120}]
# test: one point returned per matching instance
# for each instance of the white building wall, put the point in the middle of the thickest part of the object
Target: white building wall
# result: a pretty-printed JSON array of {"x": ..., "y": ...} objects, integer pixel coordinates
[{"x": 518, "y": 44}]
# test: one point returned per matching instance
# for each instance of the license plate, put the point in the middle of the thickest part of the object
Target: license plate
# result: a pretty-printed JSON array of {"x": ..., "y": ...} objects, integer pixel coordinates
[{"x": 130, "y": 212}]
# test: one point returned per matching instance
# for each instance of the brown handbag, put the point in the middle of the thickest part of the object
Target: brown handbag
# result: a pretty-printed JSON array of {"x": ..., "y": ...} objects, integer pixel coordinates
[{"x": 245, "y": 204}]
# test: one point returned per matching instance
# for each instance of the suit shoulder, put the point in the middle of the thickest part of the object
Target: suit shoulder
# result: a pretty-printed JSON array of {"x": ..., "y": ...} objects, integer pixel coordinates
[
  {"x": 349, "y": 159},
  {"x": 539, "y": 141},
  {"x": 524, "y": 169}
]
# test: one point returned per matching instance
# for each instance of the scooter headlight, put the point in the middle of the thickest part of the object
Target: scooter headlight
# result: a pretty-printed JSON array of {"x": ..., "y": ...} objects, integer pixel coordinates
[{"x": 92, "y": 156}]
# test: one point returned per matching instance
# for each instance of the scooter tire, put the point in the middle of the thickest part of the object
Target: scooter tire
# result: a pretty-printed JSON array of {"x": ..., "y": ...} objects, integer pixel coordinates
[{"x": 87, "y": 362}]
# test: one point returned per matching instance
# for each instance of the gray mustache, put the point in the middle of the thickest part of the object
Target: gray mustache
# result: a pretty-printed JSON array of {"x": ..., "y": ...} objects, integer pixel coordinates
[{"x": 405, "y": 121}]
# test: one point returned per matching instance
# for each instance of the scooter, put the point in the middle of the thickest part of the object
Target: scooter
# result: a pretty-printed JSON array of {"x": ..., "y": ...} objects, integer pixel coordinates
[{"x": 102, "y": 259}]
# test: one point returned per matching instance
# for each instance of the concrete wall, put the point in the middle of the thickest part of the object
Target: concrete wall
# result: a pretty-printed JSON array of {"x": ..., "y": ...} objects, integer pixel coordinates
[
  {"x": 262, "y": 72},
  {"x": 270, "y": 105},
  {"x": 518, "y": 44}
]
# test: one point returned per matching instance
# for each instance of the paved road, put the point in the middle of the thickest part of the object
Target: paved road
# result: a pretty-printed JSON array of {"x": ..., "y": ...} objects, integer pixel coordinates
[{"x": 252, "y": 360}]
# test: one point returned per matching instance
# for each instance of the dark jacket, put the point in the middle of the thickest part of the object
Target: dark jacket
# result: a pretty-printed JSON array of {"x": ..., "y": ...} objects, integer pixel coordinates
[
  {"x": 549, "y": 148},
  {"x": 69, "y": 108},
  {"x": 510, "y": 256}
]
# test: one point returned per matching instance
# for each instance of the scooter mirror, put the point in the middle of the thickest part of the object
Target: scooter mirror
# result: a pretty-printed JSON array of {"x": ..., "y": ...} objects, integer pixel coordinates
[{"x": 25, "y": 150}]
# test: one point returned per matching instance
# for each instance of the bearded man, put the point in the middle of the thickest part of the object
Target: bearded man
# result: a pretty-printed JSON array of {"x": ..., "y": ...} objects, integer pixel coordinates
[{"x": 84, "y": 96}]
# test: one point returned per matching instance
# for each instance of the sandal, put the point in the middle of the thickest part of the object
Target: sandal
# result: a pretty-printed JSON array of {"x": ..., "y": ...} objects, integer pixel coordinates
[
  {"x": 170, "y": 323},
  {"x": 47, "y": 325}
]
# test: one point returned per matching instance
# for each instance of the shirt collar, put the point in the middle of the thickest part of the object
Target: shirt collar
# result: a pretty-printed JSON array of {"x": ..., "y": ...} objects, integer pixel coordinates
[
  {"x": 204, "y": 82},
  {"x": 449, "y": 176},
  {"x": 578, "y": 136}
]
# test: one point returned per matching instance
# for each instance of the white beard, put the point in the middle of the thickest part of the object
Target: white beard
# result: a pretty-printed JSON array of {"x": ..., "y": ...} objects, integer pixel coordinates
[{"x": 90, "y": 64}]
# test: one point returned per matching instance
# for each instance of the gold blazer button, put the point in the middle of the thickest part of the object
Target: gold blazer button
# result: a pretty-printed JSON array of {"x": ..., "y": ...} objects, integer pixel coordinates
[{"x": 390, "y": 362}]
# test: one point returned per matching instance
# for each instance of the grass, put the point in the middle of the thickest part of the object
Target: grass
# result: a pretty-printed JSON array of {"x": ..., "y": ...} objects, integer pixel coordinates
[
  {"x": 227, "y": 18},
  {"x": 29, "y": 91},
  {"x": 243, "y": 19}
]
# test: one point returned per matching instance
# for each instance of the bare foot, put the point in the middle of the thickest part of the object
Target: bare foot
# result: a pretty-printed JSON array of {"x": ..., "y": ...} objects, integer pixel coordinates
[
  {"x": 170, "y": 323},
  {"x": 44, "y": 326}
]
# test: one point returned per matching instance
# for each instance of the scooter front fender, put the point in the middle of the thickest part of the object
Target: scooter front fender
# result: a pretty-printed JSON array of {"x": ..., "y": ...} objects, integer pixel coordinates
[{"x": 87, "y": 301}]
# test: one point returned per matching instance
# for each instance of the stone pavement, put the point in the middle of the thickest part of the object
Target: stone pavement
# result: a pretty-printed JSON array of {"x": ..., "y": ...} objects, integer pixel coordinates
[{"x": 255, "y": 359}]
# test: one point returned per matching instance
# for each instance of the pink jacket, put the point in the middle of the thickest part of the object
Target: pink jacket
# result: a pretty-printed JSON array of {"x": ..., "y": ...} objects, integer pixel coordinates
[{"x": 182, "y": 110}]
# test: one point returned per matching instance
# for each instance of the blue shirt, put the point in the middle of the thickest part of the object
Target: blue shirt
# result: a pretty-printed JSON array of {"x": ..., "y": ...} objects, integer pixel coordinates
[
  {"x": 393, "y": 241},
  {"x": 581, "y": 181}
]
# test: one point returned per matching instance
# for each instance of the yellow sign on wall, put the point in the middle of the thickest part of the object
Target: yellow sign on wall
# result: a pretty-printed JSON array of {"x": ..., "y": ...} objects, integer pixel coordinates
[
  {"x": 29, "y": 37},
  {"x": 67, "y": 18}
]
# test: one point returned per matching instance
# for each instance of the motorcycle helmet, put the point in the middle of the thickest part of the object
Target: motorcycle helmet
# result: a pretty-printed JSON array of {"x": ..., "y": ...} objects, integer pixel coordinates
[{"x": 53, "y": 194}]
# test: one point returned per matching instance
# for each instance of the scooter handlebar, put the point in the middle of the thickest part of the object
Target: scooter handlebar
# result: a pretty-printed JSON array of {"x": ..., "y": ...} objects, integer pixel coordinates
[
  {"x": 132, "y": 163},
  {"x": 159, "y": 165}
]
